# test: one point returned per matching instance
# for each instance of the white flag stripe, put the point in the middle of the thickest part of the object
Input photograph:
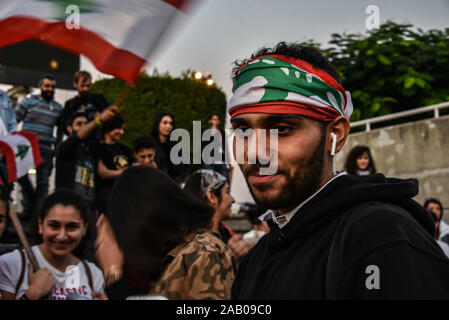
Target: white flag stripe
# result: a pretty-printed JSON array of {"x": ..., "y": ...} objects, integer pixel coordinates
[
  {"x": 117, "y": 21},
  {"x": 25, "y": 164}
]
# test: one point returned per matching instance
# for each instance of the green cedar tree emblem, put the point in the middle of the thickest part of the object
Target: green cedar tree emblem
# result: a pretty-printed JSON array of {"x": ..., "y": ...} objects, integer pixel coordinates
[
  {"x": 22, "y": 150},
  {"x": 85, "y": 6}
]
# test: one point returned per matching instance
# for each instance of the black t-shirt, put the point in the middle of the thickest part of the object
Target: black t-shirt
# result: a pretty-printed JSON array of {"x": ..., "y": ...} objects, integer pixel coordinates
[
  {"x": 75, "y": 167},
  {"x": 91, "y": 103},
  {"x": 115, "y": 157},
  {"x": 178, "y": 172}
]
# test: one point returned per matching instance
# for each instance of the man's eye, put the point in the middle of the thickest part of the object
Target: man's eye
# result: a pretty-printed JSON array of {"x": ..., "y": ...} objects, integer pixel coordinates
[{"x": 283, "y": 129}]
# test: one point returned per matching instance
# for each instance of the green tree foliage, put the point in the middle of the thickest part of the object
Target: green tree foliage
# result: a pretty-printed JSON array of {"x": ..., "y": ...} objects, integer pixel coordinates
[
  {"x": 186, "y": 98},
  {"x": 392, "y": 69}
]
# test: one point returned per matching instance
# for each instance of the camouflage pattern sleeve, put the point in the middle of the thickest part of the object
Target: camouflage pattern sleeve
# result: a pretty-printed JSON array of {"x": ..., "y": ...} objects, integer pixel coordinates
[{"x": 203, "y": 269}]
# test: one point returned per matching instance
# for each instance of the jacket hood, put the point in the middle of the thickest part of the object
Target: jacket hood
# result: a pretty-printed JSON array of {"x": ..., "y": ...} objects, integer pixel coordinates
[{"x": 348, "y": 191}]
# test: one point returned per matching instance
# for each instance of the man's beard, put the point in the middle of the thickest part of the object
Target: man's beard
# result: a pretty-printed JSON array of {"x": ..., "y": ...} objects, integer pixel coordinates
[
  {"x": 298, "y": 188},
  {"x": 47, "y": 95}
]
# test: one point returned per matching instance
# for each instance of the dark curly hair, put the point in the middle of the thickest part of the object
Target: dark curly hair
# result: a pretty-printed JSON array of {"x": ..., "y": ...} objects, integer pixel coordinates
[
  {"x": 295, "y": 50},
  {"x": 436, "y": 201},
  {"x": 67, "y": 197},
  {"x": 351, "y": 160}
]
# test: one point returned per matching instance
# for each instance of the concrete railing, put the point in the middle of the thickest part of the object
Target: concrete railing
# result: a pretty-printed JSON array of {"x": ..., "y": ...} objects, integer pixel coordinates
[{"x": 435, "y": 108}]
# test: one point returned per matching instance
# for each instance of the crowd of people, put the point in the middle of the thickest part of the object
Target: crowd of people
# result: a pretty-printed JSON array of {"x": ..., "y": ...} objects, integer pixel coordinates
[{"x": 133, "y": 223}]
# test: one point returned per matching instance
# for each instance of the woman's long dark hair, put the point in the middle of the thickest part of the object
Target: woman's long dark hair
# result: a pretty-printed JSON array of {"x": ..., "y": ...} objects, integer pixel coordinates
[
  {"x": 157, "y": 121},
  {"x": 351, "y": 160},
  {"x": 436, "y": 201},
  {"x": 67, "y": 197},
  {"x": 150, "y": 215}
]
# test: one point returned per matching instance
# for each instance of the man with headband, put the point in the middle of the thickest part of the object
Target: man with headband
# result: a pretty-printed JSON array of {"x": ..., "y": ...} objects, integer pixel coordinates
[{"x": 333, "y": 236}]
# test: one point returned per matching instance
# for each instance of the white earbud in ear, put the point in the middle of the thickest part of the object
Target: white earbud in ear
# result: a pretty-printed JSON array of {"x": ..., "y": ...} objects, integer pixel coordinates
[{"x": 334, "y": 143}]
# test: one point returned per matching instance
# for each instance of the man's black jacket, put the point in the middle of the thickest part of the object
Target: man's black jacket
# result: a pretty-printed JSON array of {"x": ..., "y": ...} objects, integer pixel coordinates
[{"x": 388, "y": 236}]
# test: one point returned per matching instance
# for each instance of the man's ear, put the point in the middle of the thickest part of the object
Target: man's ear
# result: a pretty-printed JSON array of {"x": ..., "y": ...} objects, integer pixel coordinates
[
  {"x": 341, "y": 128},
  {"x": 69, "y": 129}
]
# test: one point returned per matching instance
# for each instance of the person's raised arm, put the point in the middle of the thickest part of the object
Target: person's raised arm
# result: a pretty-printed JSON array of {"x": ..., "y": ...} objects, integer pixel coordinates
[{"x": 103, "y": 117}]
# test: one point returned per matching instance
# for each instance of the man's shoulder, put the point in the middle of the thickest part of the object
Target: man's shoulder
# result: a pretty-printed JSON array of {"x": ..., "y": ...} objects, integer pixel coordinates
[
  {"x": 30, "y": 99},
  {"x": 376, "y": 224},
  {"x": 57, "y": 105},
  {"x": 71, "y": 102},
  {"x": 125, "y": 149},
  {"x": 384, "y": 215}
]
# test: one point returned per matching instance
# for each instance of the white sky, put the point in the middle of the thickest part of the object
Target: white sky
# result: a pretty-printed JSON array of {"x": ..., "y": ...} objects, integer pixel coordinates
[{"x": 219, "y": 31}]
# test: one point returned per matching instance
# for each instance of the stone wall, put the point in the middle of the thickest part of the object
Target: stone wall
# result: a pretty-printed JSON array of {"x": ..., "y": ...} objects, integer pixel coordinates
[{"x": 412, "y": 150}]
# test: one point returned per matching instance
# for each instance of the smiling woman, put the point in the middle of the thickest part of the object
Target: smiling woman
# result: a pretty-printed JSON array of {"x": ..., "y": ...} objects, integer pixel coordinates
[{"x": 62, "y": 226}]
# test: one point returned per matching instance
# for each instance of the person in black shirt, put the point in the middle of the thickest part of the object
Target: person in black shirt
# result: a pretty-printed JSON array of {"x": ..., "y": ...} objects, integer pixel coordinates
[
  {"x": 90, "y": 103},
  {"x": 163, "y": 126},
  {"x": 112, "y": 159},
  {"x": 145, "y": 151},
  {"x": 332, "y": 235},
  {"x": 75, "y": 164},
  {"x": 219, "y": 161}
]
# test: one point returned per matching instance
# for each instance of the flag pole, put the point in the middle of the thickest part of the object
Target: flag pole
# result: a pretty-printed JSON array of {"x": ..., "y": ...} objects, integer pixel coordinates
[
  {"x": 23, "y": 239},
  {"x": 126, "y": 91}
]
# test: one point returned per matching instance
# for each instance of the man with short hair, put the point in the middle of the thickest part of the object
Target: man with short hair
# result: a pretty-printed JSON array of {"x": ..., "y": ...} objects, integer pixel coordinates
[
  {"x": 40, "y": 114},
  {"x": 75, "y": 163},
  {"x": 145, "y": 151},
  {"x": 84, "y": 101},
  {"x": 332, "y": 236},
  {"x": 219, "y": 164}
]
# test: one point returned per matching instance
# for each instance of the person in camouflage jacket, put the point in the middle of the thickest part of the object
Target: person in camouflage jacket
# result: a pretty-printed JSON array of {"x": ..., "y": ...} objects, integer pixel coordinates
[{"x": 200, "y": 268}]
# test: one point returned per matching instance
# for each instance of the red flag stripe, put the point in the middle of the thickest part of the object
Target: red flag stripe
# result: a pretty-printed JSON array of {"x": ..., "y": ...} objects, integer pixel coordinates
[
  {"x": 283, "y": 107},
  {"x": 106, "y": 58},
  {"x": 178, "y": 4},
  {"x": 10, "y": 161}
]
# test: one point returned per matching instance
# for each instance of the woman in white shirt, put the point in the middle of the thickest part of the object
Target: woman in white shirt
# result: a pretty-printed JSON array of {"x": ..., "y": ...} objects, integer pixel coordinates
[{"x": 62, "y": 227}]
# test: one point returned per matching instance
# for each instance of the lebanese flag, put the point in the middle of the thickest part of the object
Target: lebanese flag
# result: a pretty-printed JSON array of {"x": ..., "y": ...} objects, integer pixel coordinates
[
  {"x": 21, "y": 150},
  {"x": 116, "y": 35}
]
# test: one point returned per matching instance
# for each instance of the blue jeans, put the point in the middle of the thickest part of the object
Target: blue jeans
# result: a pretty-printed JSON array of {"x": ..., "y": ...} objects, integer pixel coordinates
[{"x": 31, "y": 196}]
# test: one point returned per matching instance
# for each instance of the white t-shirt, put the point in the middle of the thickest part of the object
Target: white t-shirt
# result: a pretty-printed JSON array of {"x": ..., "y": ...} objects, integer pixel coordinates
[{"x": 75, "y": 280}]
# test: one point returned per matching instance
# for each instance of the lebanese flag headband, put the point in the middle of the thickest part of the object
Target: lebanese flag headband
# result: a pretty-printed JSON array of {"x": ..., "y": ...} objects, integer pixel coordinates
[{"x": 281, "y": 84}]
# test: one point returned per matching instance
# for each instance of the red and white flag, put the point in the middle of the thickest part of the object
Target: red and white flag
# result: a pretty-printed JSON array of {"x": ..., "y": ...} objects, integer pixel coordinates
[
  {"x": 21, "y": 150},
  {"x": 116, "y": 35}
]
